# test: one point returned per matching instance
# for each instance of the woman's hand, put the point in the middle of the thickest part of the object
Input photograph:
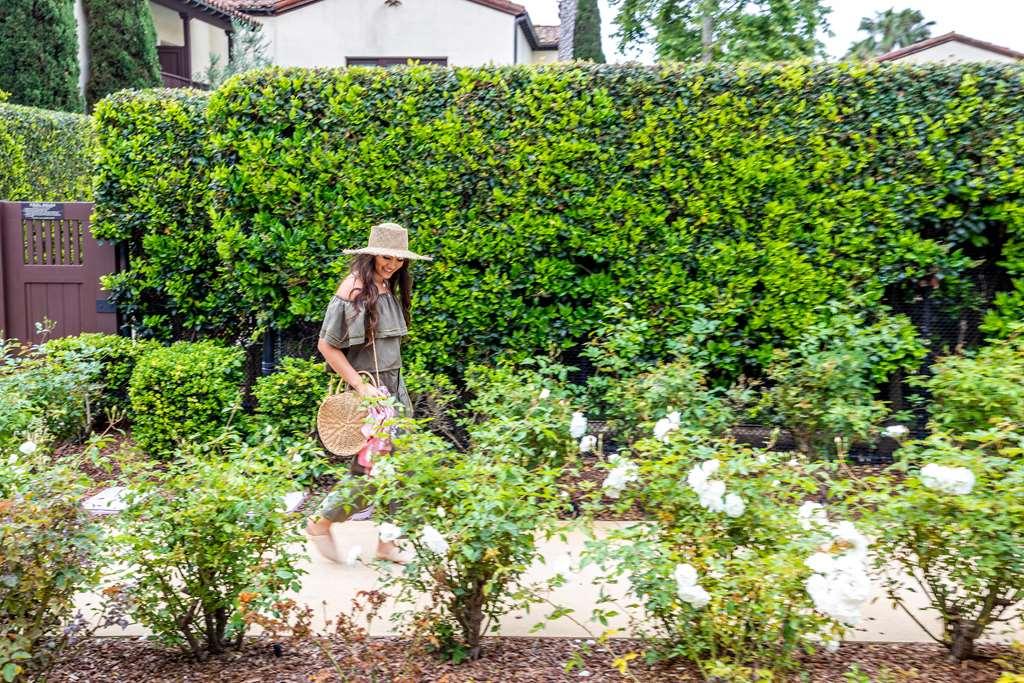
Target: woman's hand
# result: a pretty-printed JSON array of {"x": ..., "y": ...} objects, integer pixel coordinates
[{"x": 368, "y": 390}]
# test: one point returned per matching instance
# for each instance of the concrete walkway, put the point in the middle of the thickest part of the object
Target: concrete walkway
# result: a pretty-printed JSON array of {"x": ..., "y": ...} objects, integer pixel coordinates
[{"x": 337, "y": 585}]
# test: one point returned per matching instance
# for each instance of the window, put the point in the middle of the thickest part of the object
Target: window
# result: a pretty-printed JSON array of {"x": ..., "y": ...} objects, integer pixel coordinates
[{"x": 394, "y": 61}]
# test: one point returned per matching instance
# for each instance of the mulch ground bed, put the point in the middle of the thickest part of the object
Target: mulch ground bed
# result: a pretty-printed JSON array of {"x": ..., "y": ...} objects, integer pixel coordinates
[{"x": 505, "y": 660}]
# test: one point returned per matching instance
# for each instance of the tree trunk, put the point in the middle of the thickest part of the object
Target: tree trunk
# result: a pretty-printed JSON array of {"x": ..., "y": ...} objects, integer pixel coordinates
[
  {"x": 566, "y": 29},
  {"x": 964, "y": 633},
  {"x": 471, "y": 620},
  {"x": 706, "y": 37}
]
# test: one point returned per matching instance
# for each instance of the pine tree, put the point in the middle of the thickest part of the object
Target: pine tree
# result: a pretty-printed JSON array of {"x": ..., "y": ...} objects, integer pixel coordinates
[
  {"x": 39, "y": 53},
  {"x": 122, "y": 47},
  {"x": 587, "y": 32},
  {"x": 248, "y": 51}
]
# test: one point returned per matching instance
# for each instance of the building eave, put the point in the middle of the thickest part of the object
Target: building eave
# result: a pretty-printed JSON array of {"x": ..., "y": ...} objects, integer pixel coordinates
[{"x": 950, "y": 37}]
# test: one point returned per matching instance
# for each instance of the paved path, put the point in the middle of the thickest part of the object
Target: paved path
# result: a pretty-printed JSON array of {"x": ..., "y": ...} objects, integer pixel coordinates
[{"x": 338, "y": 584}]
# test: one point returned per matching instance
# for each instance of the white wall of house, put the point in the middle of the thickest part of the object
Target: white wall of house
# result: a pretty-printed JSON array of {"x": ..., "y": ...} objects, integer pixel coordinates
[
  {"x": 524, "y": 53},
  {"x": 325, "y": 33},
  {"x": 204, "y": 39},
  {"x": 169, "y": 30},
  {"x": 545, "y": 56},
  {"x": 207, "y": 40},
  {"x": 954, "y": 51}
]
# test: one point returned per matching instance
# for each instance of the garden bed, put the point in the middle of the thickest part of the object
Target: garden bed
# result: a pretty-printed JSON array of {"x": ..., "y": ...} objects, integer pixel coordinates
[{"x": 131, "y": 660}]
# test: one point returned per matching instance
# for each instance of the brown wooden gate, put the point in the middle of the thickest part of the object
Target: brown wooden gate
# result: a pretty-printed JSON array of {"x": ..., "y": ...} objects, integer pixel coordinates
[{"x": 50, "y": 266}]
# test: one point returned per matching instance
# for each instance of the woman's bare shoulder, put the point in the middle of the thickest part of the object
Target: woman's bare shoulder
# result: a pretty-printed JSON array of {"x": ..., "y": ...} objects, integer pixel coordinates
[{"x": 348, "y": 286}]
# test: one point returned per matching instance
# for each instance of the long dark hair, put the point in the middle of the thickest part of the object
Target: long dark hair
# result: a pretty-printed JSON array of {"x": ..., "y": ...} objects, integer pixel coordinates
[{"x": 365, "y": 295}]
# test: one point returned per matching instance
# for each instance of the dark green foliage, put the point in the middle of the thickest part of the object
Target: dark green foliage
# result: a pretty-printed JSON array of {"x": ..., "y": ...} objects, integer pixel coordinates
[
  {"x": 288, "y": 399},
  {"x": 39, "y": 53},
  {"x": 122, "y": 47},
  {"x": 727, "y": 204},
  {"x": 152, "y": 193},
  {"x": 116, "y": 356},
  {"x": 587, "y": 32},
  {"x": 183, "y": 392},
  {"x": 50, "y": 155}
]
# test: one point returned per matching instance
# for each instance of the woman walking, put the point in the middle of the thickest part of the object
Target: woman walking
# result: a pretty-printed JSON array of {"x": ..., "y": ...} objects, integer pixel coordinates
[{"x": 362, "y": 332}]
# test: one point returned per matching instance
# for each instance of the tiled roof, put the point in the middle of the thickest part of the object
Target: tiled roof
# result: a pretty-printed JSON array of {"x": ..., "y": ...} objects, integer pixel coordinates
[
  {"x": 275, "y": 6},
  {"x": 227, "y": 9},
  {"x": 547, "y": 36},
  {"x": 946, "y": 38}
]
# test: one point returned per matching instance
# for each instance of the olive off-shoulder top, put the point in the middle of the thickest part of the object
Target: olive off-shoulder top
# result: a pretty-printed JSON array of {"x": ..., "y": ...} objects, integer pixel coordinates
[{"x": 344, "y": 327}]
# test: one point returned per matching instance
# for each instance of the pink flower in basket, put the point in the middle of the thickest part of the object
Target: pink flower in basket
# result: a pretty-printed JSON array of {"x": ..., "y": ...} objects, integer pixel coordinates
[{"x": 378, "y": 436}]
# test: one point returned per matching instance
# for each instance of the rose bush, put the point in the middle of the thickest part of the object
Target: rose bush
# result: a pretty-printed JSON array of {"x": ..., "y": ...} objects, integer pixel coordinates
[
  {"x": 51, "y": 551},
  {"x": 521, "y": 413},
  {"x": 198, "y": 533},
  {"x": 739, "y": 568},
  {"x": 953, "y": 523},
  {"x": 473, "y": 521}
]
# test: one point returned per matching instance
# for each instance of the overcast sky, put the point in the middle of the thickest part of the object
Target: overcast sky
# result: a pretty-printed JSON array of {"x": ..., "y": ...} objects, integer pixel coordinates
[{"x": 996, "y": 21}]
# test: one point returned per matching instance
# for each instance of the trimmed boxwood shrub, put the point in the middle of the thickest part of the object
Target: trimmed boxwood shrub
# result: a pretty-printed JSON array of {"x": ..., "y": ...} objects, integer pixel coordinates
[
  {"x": 288, "y": 399},
  {"x": 50, "y": 155},
  {"x": 116, "y": 356},
  {"x": 183, "y": 392},
  {"x": 39, "y": 53},
  {"x": 122, "y": 47},
  {"x": 152, "y": 194},
  {"x": 724, "y": 203}
]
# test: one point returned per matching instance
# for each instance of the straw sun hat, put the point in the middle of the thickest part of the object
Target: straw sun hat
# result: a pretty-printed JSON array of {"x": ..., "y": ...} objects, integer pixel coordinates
[{"x": 389, "y": 239}]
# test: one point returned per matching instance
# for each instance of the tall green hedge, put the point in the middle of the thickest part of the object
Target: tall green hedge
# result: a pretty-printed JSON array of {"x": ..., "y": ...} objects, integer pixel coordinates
[
  {"x": 39, "y": 53},
  {"x": 122, "y": 47},
  {"x": 728, "y": 203},
  {"x": 47, "y": 155},
  {"x": 152, "y": 193}
]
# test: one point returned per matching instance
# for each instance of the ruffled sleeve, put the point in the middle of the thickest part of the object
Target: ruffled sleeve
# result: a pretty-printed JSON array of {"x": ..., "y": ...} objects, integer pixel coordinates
[{"x": 343, "y": 325}]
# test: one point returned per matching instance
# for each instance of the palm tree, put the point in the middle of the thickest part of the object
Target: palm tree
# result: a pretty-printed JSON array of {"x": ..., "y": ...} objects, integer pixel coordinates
[{"x": 889, "y": 30}]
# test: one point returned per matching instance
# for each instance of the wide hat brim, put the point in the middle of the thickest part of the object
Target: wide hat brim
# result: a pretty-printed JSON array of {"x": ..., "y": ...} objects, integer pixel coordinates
[{"x": 384, "y": 251}]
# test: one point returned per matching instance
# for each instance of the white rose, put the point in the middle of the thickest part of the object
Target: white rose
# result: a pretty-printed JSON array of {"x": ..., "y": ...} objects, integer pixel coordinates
[
  {"x": 440, "y": 511},
  {"x": 623, "y": 473},
  {"x": 544, "y": 393},
  {"x": 433, "y": 540},
  {"x": 685, "y": 575},
  {"x": 822, "y": 563},
  {"x": 953, "y": 480},
  {"x": 696, "y": 596},
  {"x": 353, "y": 555},
  {"x": 734, "y": 505},
  {"x": 667, "y": 424},
  {"x": 895, "y": 432},
  {"x": 699, "y": 476},
  {"x": 588, "y": 443},
  {"x": 812, "y": 515},
  {"x": 847, "y": 534},
  {"x": 28, "y": 448},
  {"x": 389, "y": 532},
  {"x": 578, "y": 425},
  {"x": 711, "y": 496}
]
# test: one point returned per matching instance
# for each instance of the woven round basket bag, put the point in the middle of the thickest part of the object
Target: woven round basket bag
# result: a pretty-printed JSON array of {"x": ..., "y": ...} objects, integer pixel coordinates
[{"x": 340, "y": 418}]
